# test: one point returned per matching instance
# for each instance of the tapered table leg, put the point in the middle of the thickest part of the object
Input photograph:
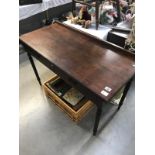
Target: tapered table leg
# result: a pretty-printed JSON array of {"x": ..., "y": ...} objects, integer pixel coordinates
[
  {"x": 97, "y": 15},
  {"x": 118, "y": 10},
  {"x": 124, "y": 94},
  {"x": 34, "y": 67},
  {"x": 73, "y": 6},
  {"x": 97, "y": 119}
]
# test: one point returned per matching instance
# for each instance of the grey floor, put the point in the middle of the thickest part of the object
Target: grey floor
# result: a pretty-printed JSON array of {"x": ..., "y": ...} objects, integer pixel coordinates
[{"x": 45, "y": 130}]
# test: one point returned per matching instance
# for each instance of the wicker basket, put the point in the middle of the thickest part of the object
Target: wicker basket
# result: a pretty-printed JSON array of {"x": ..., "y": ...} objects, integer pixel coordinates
[{"x": 75, "y": 115}]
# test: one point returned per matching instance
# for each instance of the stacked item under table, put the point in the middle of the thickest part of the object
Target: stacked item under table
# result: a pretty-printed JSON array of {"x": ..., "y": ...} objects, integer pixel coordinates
[{"x": 67, "y": 98}]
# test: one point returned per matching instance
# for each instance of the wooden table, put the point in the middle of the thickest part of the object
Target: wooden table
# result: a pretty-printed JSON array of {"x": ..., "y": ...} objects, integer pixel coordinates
[{"x": 94, "y": 67}]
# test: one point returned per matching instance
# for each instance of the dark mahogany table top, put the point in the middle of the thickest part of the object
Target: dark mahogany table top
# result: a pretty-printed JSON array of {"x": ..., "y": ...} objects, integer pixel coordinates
[{"x": 93, "y": 63}]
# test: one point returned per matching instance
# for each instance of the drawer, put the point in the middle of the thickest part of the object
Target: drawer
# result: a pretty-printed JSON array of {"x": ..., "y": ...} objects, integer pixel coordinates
[{"x": 76, "y": 112}]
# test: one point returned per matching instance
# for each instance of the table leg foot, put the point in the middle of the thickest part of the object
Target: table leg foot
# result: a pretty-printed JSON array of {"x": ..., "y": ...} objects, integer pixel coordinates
[{"x": 97, "y": 119}]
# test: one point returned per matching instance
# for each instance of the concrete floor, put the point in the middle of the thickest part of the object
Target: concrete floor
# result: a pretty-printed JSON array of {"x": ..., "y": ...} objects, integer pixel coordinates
[{"x": 45, "y": 130}]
